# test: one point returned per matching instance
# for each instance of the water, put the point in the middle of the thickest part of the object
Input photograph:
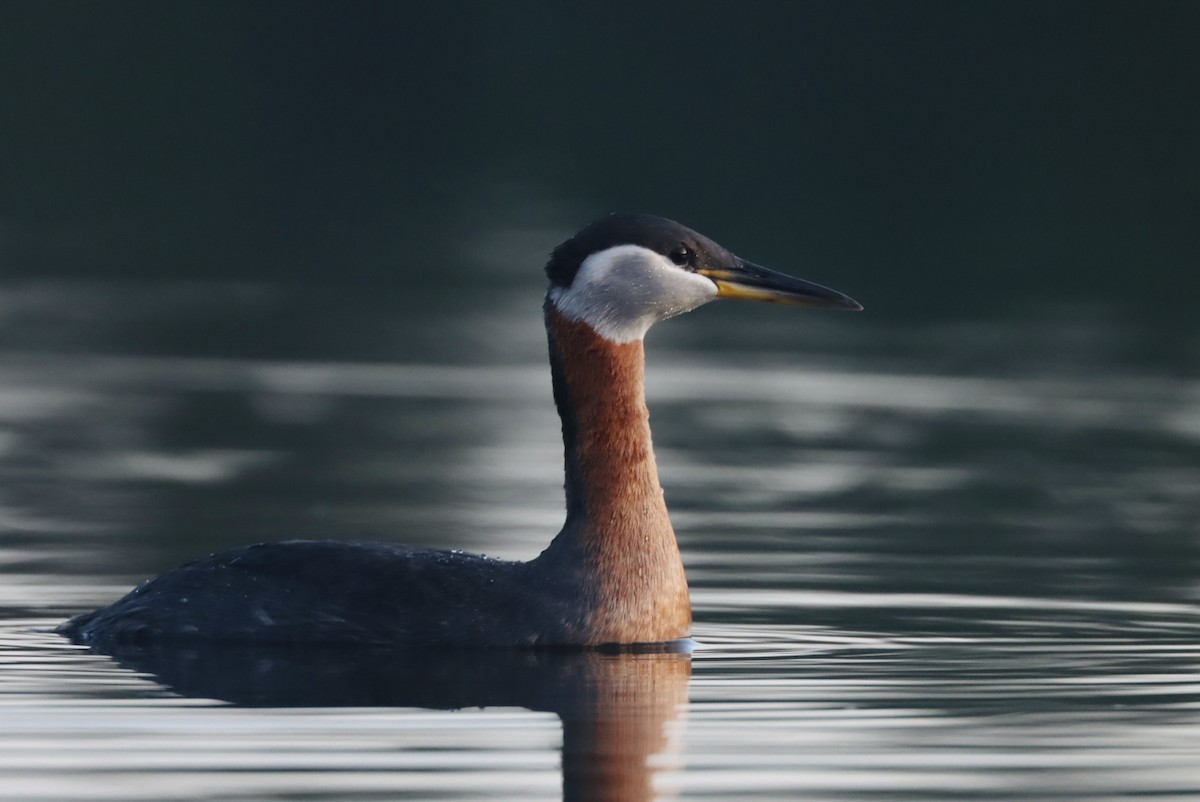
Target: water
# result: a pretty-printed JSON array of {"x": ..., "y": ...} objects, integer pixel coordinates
[
  {"x": 928, "y": 561},
  {"x": 269, "y": 270}
]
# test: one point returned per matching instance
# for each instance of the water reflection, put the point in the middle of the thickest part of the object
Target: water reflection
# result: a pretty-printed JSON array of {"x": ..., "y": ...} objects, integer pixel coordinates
[
  {"x": 614, "y": 706},
  {"x": 938, "y": 563}
]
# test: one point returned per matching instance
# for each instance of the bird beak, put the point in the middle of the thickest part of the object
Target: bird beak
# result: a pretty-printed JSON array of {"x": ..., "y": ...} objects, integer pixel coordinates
[{"x": 753, "y": 283}]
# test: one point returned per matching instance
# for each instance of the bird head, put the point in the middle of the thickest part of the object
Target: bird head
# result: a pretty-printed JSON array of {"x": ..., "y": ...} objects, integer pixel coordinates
[{"x": 625, "y": 272}]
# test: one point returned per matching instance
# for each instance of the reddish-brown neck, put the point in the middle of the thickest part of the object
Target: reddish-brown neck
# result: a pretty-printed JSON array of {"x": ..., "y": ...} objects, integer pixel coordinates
[{"x": 617, "y": 543}]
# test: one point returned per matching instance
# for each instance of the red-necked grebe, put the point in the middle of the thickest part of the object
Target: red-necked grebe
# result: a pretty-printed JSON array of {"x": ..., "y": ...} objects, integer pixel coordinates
[{"x": 613, "y": 575}]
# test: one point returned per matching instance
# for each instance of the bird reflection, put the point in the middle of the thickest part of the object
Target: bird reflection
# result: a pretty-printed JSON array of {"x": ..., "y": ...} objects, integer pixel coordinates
[{"x": 614, "y": 704}]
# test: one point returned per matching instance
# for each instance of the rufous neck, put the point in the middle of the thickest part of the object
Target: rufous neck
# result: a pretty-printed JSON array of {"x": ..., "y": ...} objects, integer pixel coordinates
[
  {"x": 599, "y": 389},
  {"x": 618, "y": 537}
]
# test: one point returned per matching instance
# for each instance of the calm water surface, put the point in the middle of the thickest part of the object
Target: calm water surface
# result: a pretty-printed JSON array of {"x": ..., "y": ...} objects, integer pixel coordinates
[{"x": 951, "y": 561}]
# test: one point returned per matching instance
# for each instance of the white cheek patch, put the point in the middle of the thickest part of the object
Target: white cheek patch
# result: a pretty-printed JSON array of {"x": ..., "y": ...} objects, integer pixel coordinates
[{"x": 622, "y": 291}]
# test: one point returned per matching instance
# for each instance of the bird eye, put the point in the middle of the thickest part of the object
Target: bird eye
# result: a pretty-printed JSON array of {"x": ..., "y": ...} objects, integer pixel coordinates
[{"x": 682, "y": 255}]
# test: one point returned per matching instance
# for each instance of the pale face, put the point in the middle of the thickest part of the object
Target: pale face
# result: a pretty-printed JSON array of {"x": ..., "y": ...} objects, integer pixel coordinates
[{"x": 624, "y": 290}]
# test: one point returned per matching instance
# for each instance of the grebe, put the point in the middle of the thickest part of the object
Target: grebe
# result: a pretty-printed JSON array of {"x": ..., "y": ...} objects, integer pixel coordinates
[{"x": 613, "y": 575}]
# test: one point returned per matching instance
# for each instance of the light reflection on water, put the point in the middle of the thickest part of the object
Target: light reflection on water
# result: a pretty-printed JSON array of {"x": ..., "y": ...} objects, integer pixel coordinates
[
  {"x": 909, "y": 579},
  {"x": 1015, "y": 712}
]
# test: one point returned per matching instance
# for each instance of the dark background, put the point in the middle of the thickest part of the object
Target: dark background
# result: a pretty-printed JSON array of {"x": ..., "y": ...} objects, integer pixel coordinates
[
  {"x": 940, "y": 159},
  {"x": 271, "y": 270}
]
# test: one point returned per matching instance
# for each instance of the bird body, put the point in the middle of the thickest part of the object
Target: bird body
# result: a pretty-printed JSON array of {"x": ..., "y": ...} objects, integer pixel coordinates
[{"x": 613, "y": 574}]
